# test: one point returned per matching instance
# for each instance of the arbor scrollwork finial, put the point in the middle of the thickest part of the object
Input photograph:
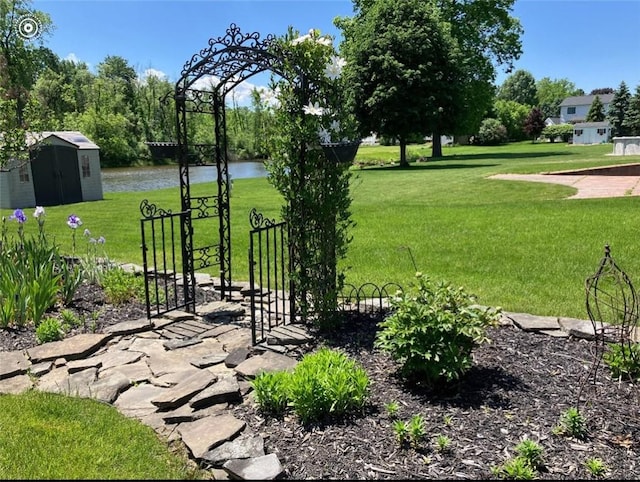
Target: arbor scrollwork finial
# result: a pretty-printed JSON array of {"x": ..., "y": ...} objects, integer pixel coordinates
[
  {"x": 150, "y": 210},
  {"x": 257, "y": 220}
]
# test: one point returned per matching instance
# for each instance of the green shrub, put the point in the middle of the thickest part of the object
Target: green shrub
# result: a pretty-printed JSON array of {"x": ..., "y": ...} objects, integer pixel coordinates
[
  {"x": 531, "y": 452},
  {"x": 623, "y": 360},
  {"x": 120, "y": 286},
  {"x": 492, "y": 133},
  {"x": 271, "y": 392},
  {"x": 49, "y": 330},
  {"x": 564, "y": 131},
  {"x": 327, "y": 383},
  {"x": 432, "y": 330},
  {"x": 323, "y": 384},
  {"x": 516, "y": 468},
  {"x": 572, "y": 423}
]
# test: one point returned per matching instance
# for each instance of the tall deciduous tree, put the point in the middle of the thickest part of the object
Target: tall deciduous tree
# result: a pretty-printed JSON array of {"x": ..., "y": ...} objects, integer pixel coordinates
[
  {"x": 512, "y": 115},
  {"x": 111, "y": 118},
  {"x": 13, "y": 139},
  {"x": 22, "y": 54},
  {"x": 617, "y": 110},
  {"x": 62, "y": 91},
  {"x": 487, "y": 37},
  {"x": 534, "y": 123},
  {"x": 551, "y": 93},
  {"x": 596, "y": 110},
  {"x": 403, "y": 70},
  {"x": 117, "y": 69},
  {"x": 519, "y": 87},
  {"x": 156, "y": 107}
]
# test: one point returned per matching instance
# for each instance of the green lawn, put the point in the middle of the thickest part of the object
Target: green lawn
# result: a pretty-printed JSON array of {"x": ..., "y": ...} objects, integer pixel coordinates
[
  {"x": 47, "y": 436},
  {"x": 515, "y": 244}
]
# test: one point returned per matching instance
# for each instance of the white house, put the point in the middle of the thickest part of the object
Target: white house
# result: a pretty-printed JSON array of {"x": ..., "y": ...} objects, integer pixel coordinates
[
  {"x": 591, "y": 132},
  {"x": 64, "y": 168},
  {"x": 576, "y": 108}
]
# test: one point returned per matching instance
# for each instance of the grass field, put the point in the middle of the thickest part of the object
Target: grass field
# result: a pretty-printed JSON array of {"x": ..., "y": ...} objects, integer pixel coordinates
[
  {"x": 48, "y": 436},
  {"x": 515, "y": 244}
]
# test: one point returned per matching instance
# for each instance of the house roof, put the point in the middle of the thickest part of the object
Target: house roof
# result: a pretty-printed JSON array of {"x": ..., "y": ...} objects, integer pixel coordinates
[
  {"x": 553, "y": 120},
  {"x": 585, "y": 100},
  {"x": 78, "y": 139},
  {"x": 591, "y": 124}
]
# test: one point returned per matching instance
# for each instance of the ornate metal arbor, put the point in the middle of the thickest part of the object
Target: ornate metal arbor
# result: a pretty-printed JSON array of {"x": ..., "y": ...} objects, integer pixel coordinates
[{"x": 227, "y": 61}]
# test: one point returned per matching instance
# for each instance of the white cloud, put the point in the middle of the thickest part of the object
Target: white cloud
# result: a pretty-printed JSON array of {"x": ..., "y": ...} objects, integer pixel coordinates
[
  {"x": 159, "y": 74},
  {"x": 206, "y": 82},
  {"x": 240, "y": 95},
  {"x": 72, "y": 58}
]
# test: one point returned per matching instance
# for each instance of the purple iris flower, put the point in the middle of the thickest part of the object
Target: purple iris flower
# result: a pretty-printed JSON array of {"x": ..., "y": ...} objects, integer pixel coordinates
[
  {"x": 19, "y": 216},
  {"x": 74, "y": 221}
]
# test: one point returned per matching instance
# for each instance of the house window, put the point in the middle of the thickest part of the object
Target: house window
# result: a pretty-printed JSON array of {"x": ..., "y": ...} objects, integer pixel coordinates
[
  {"x": 86, "y": 167},
  {"x": 578, "y": 132},
  {"x": 23, "y": 173},
  {"x": 571, "y": 110},
  {"x": 602, "y": 132}
]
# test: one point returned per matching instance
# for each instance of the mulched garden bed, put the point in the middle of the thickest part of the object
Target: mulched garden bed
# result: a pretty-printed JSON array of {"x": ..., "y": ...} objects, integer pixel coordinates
[{"x": 519, "y": 386}]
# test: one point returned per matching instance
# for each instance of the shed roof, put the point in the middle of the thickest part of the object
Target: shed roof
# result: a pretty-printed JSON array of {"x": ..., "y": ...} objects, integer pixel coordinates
[
  {"x": 591, "y": 124},
  {"x": 585, "y": 100},
  {"x": 76, "y": 138}
]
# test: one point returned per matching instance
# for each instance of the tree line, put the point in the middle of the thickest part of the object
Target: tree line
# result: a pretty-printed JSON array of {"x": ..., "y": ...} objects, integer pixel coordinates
[
  {"x": 415, "y": 68},
  {"x": 114, "y": 106}
]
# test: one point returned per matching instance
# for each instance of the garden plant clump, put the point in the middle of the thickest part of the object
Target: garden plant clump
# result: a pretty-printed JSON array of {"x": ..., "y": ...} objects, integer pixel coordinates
[{"x": 46, "y": 295}]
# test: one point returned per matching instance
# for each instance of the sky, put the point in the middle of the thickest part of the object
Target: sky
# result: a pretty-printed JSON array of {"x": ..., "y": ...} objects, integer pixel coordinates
[{"x": 592, "y": 43}]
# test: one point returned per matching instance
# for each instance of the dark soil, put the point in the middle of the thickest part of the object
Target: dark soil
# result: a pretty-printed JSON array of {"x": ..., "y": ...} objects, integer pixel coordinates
[
  {"x": 89, "y": 305},
  {"x": 518, "y": 387}
]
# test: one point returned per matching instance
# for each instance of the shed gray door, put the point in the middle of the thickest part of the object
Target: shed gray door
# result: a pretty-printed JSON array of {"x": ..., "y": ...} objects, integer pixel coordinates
[{"x": 56, "y": 177}]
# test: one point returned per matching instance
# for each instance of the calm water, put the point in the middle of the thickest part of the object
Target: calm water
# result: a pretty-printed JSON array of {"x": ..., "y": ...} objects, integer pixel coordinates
[{"x": 159, "y": 177}]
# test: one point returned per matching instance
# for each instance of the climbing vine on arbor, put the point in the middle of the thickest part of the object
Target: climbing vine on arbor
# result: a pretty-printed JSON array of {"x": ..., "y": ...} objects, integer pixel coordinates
[{"x": 309, "y": 110}]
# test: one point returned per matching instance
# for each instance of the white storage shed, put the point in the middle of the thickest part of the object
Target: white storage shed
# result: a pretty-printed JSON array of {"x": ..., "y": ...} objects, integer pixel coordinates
[
  {"x": 591, "y": 132},
  {"x": 64, "y": 169}
]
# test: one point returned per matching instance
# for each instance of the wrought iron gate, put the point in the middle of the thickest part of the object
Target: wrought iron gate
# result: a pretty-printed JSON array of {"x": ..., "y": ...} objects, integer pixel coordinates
[
  {"x": 272, "y": 300},
  {"x": 232, "y": 58},
  {"x": 163, "y": 249}
]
